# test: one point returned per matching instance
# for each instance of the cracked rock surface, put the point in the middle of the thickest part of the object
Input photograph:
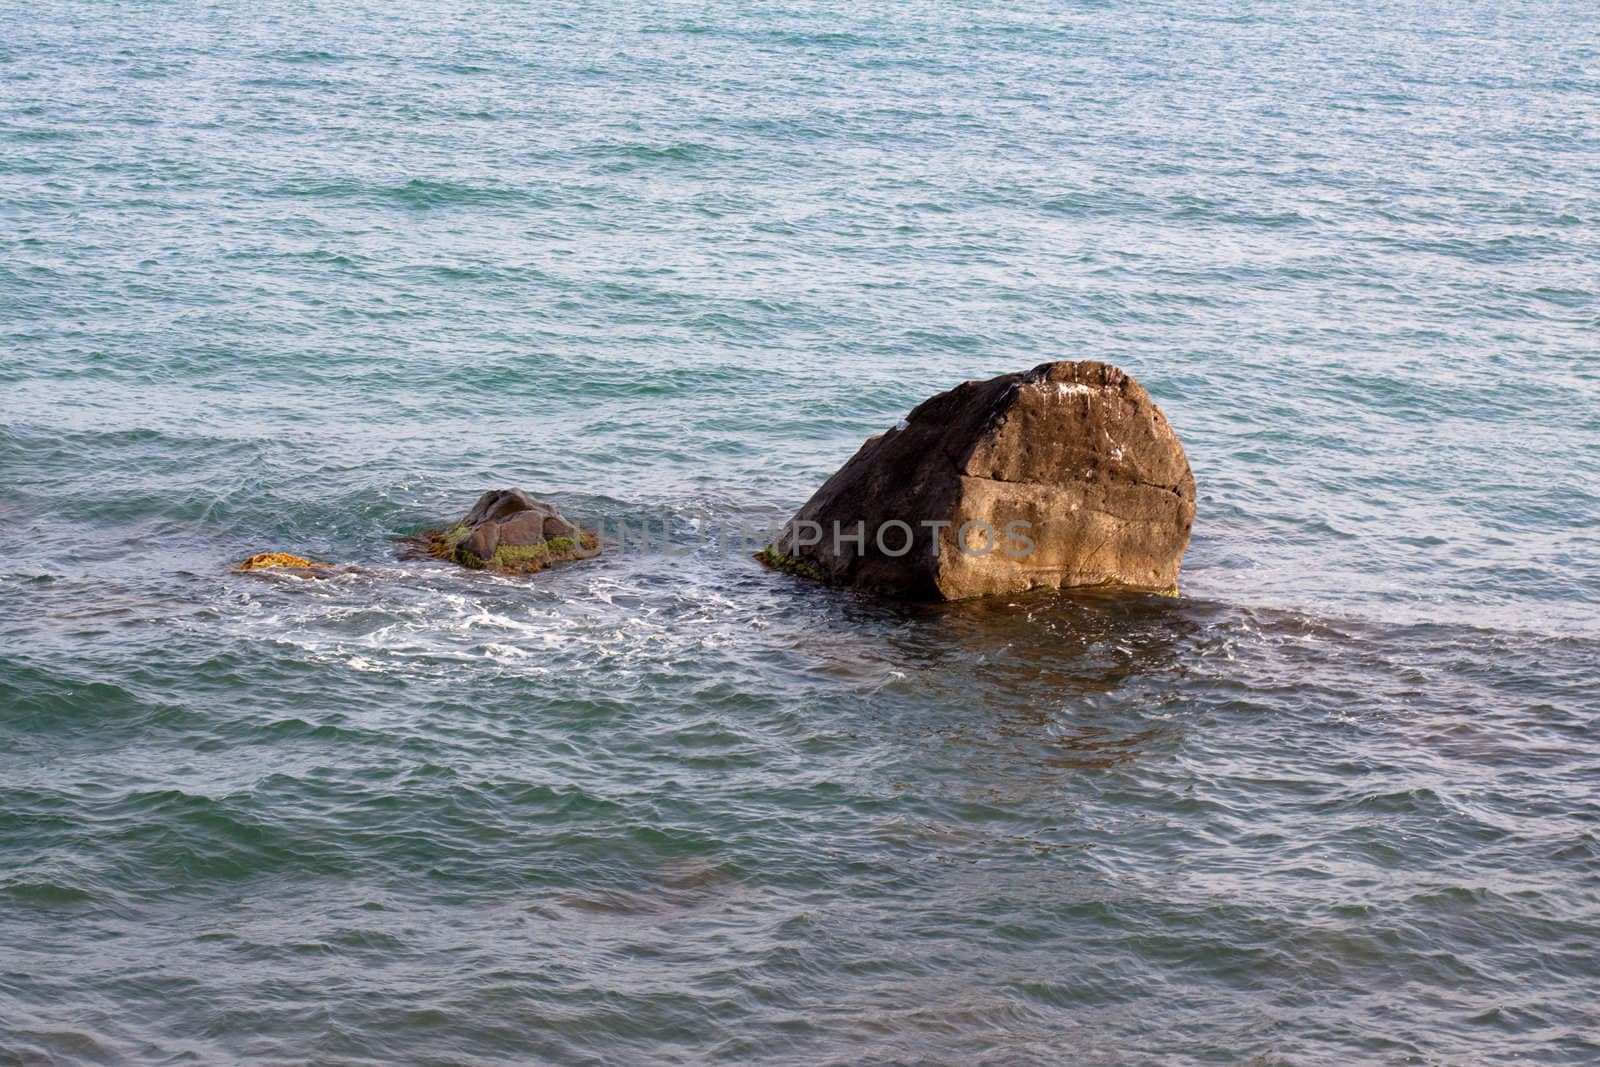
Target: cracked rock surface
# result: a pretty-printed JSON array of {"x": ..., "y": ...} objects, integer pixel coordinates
[{"x": 1063, "y": 476}]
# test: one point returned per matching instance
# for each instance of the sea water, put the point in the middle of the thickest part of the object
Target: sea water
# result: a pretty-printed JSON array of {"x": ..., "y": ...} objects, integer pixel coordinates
[{"x": 310, "y": 277}]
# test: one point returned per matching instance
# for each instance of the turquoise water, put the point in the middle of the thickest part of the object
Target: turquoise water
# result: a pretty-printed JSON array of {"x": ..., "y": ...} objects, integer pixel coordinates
[{"x": 308, "y": 278}]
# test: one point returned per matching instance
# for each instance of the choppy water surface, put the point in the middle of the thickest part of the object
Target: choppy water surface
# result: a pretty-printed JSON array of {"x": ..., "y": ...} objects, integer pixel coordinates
[{"x": 306, "y": 278}]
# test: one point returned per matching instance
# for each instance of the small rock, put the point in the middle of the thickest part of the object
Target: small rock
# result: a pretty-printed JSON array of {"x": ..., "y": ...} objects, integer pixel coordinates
[
  {"x": 277, "y": 560},
  {"x": 508, "y": 530}
]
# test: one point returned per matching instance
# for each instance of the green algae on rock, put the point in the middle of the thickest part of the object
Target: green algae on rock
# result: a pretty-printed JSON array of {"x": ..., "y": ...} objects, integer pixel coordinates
[{"x": 771, "y": 557}]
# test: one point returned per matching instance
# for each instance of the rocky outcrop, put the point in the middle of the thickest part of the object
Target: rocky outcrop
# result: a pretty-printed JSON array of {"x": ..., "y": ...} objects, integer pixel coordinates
[
  {"x": 1067, "y": 475},
  {"x": 508, "y": 530}
]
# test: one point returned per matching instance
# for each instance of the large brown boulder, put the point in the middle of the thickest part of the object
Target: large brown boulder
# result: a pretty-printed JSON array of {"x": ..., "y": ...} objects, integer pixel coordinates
[
  {"x": 508, "y": 530},
  {"x": 1067, "y": 475}
]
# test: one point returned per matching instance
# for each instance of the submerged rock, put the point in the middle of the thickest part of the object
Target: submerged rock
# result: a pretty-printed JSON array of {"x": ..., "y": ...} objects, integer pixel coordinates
[
  {"x": 278, "y": 560},
  {"x": 1066, "y": 475},
  {"x": 507, "y": 530}
]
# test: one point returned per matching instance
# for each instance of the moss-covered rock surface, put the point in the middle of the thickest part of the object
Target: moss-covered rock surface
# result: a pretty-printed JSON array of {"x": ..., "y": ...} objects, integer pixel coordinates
[{"x": 771, "y": 557}]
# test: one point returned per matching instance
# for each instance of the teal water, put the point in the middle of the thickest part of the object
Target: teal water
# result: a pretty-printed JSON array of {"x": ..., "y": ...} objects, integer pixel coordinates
[{"x": 308, "y": 278}]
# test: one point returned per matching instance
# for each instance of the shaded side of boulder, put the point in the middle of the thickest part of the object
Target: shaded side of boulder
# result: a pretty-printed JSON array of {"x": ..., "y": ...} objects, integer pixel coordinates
[
  {"x": 508, "y": 530},
  {"x": 1063, "y": 476}
]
